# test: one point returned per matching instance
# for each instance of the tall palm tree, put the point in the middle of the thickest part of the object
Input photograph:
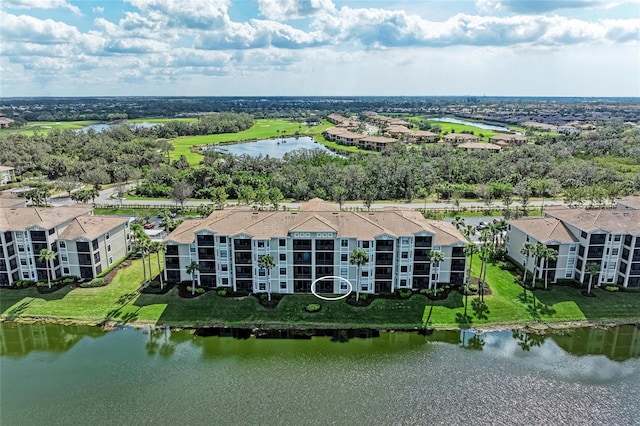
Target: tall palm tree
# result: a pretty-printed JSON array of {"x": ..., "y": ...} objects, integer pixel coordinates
[
  {"x": 592, "y": 268},
  {"x": 538, "y": 249},
  {"x": 435, "y": 256},
  {"x": 159, "y": 247},
  {"x": 526, "y": 251},
  {"x": 267, "y": 262},
  {"x": 548, "y": 254},
  {"x": 470, "y": 250},
  {"x": 192, "y": 268},
  {"x": 358, "y": 257},
  {"x": 46, "y": 256},
  {"x": 143, "y": 246}
]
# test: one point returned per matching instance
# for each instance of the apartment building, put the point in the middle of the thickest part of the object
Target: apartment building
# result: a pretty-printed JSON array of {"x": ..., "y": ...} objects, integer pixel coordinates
[
  {"x": 315, "y": 242},
  {"x": 85, "y": 245},
  {"x": 609, "y": 238}
]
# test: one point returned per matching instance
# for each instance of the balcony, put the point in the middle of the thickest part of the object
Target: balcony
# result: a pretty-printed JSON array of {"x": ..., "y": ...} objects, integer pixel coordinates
[{"x": 301, "y": 245}]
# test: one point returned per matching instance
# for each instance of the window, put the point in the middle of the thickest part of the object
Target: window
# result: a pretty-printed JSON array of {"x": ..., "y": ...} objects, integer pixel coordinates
[
  {"x": 94, "y": 244},
  {"x": 23, "y": 262},
  {"x": 283, "y": 257},
  {"x": 25, "y": 275},
  {"x": 110, "y": 260},
  {"x": 365, "y": 244},
  {"x": 108, "y": 247},
  {"x": 365, "y": 273},
  {"x": 405, "y": 254},
  {"x": 344, "y": 257},
  {"x": 343, "y": 286},
  {"x": 614, "y": 252},
  {"x": 262, "y": 286},
  {"x": 106, "y": 236},
  {"x": 583, "y": 234},
  {"x": 223, "y": 240},
  {"x": 51, "y": 231},
  {"x": 283, "y": 285},
  {"x": 20, "y": 248},
  {"x": 344, "y": 271},
  {"x": 64, "y": 258},
  {"x": 283, "y": 271},
  {"x": 404, "y": 240},
  {"x": 571, "y": 261},
  {"x": 225, "y": 281},
  {"x": 364, "y": 287},
  {"x": 262, "y": 273},
  {"x": 62, "y": 244},
  {"x": 403, "y": 282},
  {"x": 403, "y": 269},
  {"x": 260, "y": 244},
  {"x": 568, "y": 274},
  {"x": 224, "y": 267},
  {"x": 344, "y": 243},
  {"x": 223, "y": 253},
  {"x": 282, "y": 242},
  {"x": 572, "y": 247}
]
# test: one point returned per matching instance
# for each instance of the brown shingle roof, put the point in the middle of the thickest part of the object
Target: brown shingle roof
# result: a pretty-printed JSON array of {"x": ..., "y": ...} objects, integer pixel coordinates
[
  {"x": 20, "y": 218},
  {"x": 630, "y": 201},
  {"x": 479, "y": 145},
  {"x": 317, "y": 216},
  {"x": 615, "y": 221},
  {"x": 545, "y": 229},
  {"x": 91, "y": 227}
]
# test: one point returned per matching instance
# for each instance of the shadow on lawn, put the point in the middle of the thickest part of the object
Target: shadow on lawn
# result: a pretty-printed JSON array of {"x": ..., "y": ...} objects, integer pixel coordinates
[{"x": 117, "y": 314}]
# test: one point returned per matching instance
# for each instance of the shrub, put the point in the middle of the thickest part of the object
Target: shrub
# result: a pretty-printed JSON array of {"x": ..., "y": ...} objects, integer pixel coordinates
[
  {"x": 425, "y": 291},
  {"x": 199, "y": 290},
  {"x": 154, "y": 284},
  {"x": 42, "y": 284},
  {"x": 404, "y": 294},
  {"x": 612, "y": 288},
  {"x": 96, "y": 282},
  {"x": 364, "y": 297},
  {"x": 222, "y": 293},
  {"x": 473, "y": 288},
  {"x": 264, "y": 296},
  {"x": 312, "y": 307},
  {"x": 69, "y": 280},
  {"x": 23, "y": 283}
]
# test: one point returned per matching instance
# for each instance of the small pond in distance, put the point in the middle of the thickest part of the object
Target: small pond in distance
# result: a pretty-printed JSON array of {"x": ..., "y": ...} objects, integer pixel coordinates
[{"x": 275, "y": 148}]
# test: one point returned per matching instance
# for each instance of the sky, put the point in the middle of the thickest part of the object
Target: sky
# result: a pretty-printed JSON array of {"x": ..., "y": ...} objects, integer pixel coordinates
[{"x": 319, "y": 47}]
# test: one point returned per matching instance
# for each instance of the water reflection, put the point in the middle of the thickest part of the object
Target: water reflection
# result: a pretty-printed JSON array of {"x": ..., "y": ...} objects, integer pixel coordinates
[
  {"x": 275, "y": 148},
  {"x": 617, "y": 343}
]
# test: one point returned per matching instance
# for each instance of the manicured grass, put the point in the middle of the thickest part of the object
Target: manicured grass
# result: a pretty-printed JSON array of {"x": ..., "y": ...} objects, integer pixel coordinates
[
  {"x": 47, "y": 126},
  {"x": 262, "y": 129},
  {"x": 120, "y": 301},
  {"x": 458, "y": 128},
  {"x": 162, "y": 120}
]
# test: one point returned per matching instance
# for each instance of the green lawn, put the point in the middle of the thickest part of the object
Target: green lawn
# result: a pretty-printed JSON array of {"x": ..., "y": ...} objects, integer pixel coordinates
[
  {"x": 162, "y": 120},
  {"x": 458, "y": 128},
  {"x": 47, "y": 126},
  {"x": 120, "y": 301}
]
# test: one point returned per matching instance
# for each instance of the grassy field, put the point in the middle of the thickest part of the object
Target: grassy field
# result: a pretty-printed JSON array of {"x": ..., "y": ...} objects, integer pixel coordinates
[
  {"x": 458, "y": 128},
  {"x": 262, "y": 129},
  {"x": 121, "y": 301},
  {"x": 162, "y": 120},
  {"x": 47, "y": 126}
]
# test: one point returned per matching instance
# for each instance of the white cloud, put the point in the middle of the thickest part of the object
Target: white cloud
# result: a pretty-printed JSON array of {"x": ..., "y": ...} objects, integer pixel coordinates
[
  {"x": 191, "y": 14},
  {"x": 41, "y": 4},
  {"x": 98, "y": 10},
  {"x": 282, "y": 10}
]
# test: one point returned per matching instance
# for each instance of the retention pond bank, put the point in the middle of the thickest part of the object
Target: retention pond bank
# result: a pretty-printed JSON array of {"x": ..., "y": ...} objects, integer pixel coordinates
[{"x": 84, "y": 375}]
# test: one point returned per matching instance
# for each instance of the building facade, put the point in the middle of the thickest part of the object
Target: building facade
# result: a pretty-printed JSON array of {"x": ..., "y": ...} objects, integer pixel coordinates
[
  {"x": 85, "y": 245},
  {"x": 7, "y": 174},
  {"x": 312, "y": 243},
  {"x": 608, "y": 238}
]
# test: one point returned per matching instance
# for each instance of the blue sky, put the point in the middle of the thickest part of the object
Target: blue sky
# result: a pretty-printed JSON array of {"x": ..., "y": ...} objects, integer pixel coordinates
[{"x": 319, "y": 47}]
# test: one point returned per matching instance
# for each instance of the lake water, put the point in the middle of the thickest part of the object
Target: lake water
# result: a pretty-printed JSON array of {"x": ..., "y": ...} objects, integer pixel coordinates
[
  {"x": 102, "y": 126},
  {"x": 275, "y": 148},
  {"x": 57, "y": 375},
  {"x": 472, "y": 123}
]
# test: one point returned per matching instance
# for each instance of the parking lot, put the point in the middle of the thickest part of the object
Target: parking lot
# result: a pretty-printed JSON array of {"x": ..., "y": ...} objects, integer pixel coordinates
[{"x": 476, "y": 221}]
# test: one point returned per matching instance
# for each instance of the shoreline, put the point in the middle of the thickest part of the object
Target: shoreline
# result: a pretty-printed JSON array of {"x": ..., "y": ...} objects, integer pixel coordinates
[{"x": 529, "y": 327}]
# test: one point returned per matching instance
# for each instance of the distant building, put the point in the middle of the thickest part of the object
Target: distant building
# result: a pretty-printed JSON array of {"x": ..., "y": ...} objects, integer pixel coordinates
[
  {"x": 5, "y": 122},
  {"x": 376, "y": 143},
  {"x": 312, "y": 243},
  {"x": 7, "y": 174},
  {"x": 422, "y": 136},
  {"x": 456, "y": 138},
  {"x": 505, "y": 139},
  {"x": 629, "y": 202},
  {"x": 85, "y": 245},
  {"x": 342, "y": 136},
  {"x": 479, "y": 146}
]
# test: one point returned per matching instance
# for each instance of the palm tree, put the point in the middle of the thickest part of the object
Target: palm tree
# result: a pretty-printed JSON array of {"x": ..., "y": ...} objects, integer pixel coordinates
[
  {"x": 159, "y": 247},
  {"x": 436, "y": 256},
  {"x": 470, "y": 250},
  {"x": 143, "y": 246},
  {"x": 526, "y": 251},
  {"x": 538, "y": 250},
  {"x": 46, "y": 256},
  {"x": 358, "y": 257},
  {"x": 192, "y": 268},
  {"x": 267, "y": 262},
  {"x": 547, "y": 254},
  {"x": 592, "y": 269}
]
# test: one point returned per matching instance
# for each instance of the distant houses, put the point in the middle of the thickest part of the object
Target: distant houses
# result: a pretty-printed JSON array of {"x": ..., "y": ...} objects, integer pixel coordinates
[{"x": 7, "y": 174}]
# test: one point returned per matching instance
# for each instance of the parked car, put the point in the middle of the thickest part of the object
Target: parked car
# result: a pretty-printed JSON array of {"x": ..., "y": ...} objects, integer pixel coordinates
[
  {"x": 149, "y": 225},
  {"x": 481, "y": 226}
]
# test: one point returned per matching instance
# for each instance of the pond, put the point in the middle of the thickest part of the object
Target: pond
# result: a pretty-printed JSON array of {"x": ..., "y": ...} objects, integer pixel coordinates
[
  {"x": 472, "y": 123},
  {"x": 73, "y": 375},
  {"x": 102, "y": 126},
  {"x": 275, "y": 148}
]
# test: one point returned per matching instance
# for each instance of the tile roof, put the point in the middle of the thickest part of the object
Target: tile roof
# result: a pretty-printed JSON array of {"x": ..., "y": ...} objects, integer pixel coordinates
[
  {"x": 20, "y": 218},
  {"x": 619, "y": 221},
  {"x": 317, "y": 216},
  {"x": 630, "y": 201},
  {"x": 545, "y": 230},
  {"x": 91, "y": 227}
]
